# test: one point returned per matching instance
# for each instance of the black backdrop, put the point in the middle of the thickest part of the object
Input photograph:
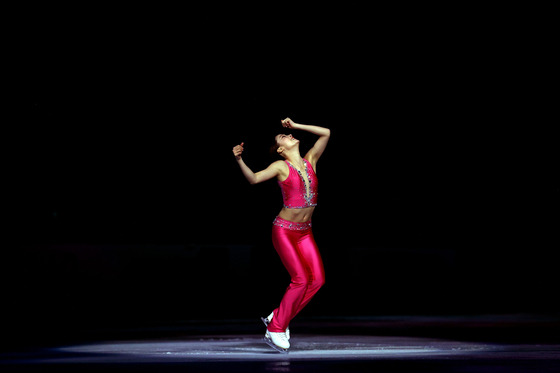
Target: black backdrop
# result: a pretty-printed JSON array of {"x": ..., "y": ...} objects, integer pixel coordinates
[{"x": 438, "y": 190}]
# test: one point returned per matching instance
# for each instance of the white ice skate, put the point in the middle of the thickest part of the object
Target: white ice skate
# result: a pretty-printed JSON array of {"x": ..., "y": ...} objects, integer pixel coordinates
[
  {"x": 267, "y": 320},
  {"x": 277, "y": 341}
]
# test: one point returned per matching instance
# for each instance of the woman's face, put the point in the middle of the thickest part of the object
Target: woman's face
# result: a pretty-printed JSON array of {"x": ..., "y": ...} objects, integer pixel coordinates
[{"x": 286, "y": 141}]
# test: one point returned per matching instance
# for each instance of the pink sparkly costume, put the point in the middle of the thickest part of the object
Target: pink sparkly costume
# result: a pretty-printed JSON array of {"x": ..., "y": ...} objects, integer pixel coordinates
[{"x": 296, "y": 247}]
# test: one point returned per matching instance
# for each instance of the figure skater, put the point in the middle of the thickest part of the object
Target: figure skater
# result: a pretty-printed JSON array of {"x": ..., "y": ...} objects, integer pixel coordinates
[{"x": 291, "y": 230}]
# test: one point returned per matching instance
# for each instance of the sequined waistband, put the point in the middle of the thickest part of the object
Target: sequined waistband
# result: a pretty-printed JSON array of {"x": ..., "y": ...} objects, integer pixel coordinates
[{"x": 283, "y": 223}]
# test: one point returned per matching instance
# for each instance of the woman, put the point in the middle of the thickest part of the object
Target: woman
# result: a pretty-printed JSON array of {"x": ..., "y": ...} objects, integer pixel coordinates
[{"x": 291, "y": 231}]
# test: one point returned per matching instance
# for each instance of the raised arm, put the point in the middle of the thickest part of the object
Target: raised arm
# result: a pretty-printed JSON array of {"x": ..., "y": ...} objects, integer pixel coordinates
[
  {"x": 254, "y": 178},
  {"x": 324, "y": 134}
]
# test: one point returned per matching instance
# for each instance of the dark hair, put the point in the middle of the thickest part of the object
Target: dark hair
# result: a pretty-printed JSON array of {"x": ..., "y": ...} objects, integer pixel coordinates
[{"x": 274, "y": 149}]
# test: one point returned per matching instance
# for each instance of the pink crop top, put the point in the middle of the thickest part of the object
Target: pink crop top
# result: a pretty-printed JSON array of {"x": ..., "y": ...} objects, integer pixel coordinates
[{"x": 295, "y": 192}]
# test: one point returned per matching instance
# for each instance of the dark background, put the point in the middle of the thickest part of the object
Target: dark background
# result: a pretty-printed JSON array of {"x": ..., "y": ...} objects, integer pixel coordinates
[{"x": 439, "y": 189}]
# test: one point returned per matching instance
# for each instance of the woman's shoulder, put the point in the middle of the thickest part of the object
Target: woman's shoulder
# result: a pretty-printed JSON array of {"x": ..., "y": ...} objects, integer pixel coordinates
[
  {"x": 279, "y": 163},
  {"x": 283, "y": 169}
]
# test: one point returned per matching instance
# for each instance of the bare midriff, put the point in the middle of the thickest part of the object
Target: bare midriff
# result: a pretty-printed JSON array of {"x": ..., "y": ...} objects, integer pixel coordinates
[{"x": 297, "y": 215}]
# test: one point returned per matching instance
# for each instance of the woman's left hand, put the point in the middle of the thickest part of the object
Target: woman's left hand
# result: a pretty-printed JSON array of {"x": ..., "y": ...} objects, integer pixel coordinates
[{"x": 288, "y": 123}]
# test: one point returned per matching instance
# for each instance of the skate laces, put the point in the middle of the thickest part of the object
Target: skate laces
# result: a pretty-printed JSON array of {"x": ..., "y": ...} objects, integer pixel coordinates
[{"x": 281, "y": 336}]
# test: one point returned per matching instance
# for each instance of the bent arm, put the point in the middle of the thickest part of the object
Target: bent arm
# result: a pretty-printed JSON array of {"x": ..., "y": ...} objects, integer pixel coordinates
[
  {"x": 320, "y": 145},
  {"x": 324, "y": 134},
  {"x": 264, "y": 175},
  {"x": 316, "y": 130}
]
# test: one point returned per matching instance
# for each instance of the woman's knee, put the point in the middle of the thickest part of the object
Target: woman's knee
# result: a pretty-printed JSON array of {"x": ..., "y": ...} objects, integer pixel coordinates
[
  {"x": 301, "y": 280},
  {"x": 317, "y": 282}
]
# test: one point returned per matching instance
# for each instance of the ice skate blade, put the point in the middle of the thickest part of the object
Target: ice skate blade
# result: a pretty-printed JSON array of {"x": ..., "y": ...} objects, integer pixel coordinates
[{"x": 279, "y": 349}]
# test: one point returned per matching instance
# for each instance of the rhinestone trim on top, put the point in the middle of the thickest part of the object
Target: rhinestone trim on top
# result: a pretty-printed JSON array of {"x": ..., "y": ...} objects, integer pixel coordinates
[
  {"x": 305, "y": 189},
  {"x": 306, "y": 192}
]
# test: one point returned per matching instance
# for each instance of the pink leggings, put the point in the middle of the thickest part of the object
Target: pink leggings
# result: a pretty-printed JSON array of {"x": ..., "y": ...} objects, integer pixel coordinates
[{"x": 298, "y": 251}]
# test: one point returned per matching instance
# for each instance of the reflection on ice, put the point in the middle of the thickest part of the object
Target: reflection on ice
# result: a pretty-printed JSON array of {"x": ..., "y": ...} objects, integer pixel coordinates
[{"x": 252, "y": 348}]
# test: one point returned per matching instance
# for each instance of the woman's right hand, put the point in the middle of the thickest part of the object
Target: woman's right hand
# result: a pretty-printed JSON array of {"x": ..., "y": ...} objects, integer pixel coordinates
[{"x": 237, "y": 150}]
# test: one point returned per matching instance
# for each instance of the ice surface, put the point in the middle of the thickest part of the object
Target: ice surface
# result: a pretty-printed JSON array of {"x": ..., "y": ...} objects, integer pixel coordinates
[{"x": 252, "y": 347}]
